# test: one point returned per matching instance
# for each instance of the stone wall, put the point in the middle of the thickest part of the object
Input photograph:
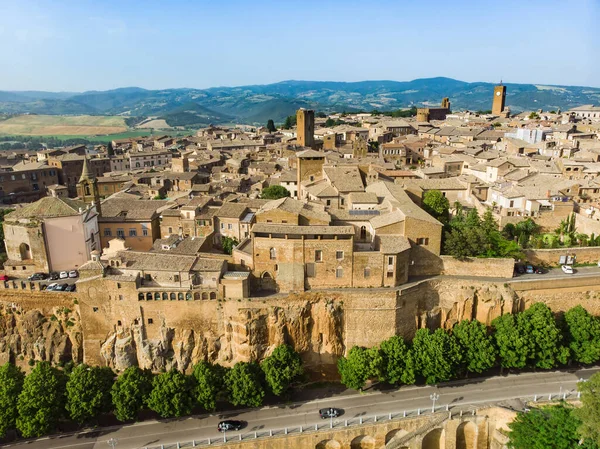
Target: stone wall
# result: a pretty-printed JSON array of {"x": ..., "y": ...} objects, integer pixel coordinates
[
  {"x": 590, "y": 254},
  {"x": 587, "y": 225},
  {"x": 494, "y": 268}
]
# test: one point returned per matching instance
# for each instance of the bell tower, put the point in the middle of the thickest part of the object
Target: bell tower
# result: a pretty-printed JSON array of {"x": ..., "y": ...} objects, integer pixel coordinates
[
  {"x": 499, "y": 99},
  {"x": 87, "y": 187}
]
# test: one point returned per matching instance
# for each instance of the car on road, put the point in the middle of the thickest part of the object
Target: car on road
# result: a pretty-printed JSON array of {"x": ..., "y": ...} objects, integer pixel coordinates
[
  {"x": 331, "y": 412},
  {"x": 3, "y": 277},
  {"x": 567, "y": 269},
  {"x": 64, "y": 274},
  {"x": 529, "y": 269},
  {"x": 73, "y": 274},
  {"x": 71, "y": 288},
  {"x": 37, "y": 277},
  {"x": 54, "y": 276},
  {"x": 230, "y": 424},
  {"x": 52, "y": 287}
]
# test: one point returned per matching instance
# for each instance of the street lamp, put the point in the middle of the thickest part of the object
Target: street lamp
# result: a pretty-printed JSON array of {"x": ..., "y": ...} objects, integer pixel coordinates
[
  {"x": 112, "y": 442},
  {"x": 434, "y": 397}
]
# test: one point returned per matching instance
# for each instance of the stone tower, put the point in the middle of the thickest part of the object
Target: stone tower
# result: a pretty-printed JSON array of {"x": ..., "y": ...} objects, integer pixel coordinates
[
  {"x": 309, "y": 168},
  {"x": 499, "y": 99},
  {"x": 446, "y": 103},
  {"x": 305, "y": 125},
  {"x": 87, "y": 187}
]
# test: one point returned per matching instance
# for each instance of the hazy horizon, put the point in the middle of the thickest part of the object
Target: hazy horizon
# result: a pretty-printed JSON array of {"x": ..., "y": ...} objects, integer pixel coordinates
[{"x": 76, "y": 46}]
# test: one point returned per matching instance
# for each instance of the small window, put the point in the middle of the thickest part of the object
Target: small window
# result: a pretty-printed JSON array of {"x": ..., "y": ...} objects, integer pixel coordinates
[
  {"x": 119, "y": 323},
  {"x": 150, "y": 321},
  {"x": 95, "y": 309},
  {"x": 121, "y": 233},
  {"x": 390, "y": 274},
  {"x": 107, "y": 232},
  {"x": 423, "y": 241},
  {"x": 276, "y": 267},
  {"x": 272, "y": 254},
  {"x": 170, "y": 230},
  {"x": 390, "y": 260},
  {"x": 229, "y": 226},
  {"x": 318, "y": 255},
  {"x": 339, "y": 272},
  {"x": 176, "y": 278},
  {"x": 222, "y": 225},
  {"x": 132, "y": 232},
  {"x": 120, "y": 297},
  {"x": 339, "y": 255},
  {"x": 367, "y": 273},
  {"x": 118, "y": 285}
]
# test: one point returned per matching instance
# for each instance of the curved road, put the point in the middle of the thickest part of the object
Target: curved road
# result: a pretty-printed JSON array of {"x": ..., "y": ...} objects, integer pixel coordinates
[{"x": 459, "y": 394}]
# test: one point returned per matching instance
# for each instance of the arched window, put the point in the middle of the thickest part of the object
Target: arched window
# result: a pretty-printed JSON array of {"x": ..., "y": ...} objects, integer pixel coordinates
[
  {"x": 140, "y": 296},
  {"x": 87, "y": 189},
  {"x": 213, "y": 295},
  {"x": 204, "y": 295},
  {"x": 272, "y": 254},
  {"x": 180, "y": 296},
  {"x": 25, "y": 251},
  {"x": 188, "y": 296},
  {"x": 165, "y": 296},
  {"x": 149, "y": 296},
  {"x": 157, "y": 296},
  {"x": 196, "y": 296},
  {"x": 172, "y": 297},
  {"x": 339, "y": 272},
  {"x": 367, "y": 272},
  {"x": 363, "y": 232}
]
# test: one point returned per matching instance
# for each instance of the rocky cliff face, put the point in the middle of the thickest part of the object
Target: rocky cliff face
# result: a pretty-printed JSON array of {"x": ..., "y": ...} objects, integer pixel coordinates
[
  {"x": 313, "y": 326},
  {"x": 26, "y": 335}
]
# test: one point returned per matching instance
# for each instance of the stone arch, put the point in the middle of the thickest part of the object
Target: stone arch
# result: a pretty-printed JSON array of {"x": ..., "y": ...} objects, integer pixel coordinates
[
  {"x": 172, "y": 297},
  {"x": 25, "y": 251},
  {"x": 363, "y": 232},
  {"x": 157, "y": 296},
  {"x": 394, "y": 433},
  {"x": 329, "y": 444},
  {"x": 267, "y": 282},
  {"x": 204, "y": 295},
  {"x": 149, "y": 296},
  {"x": 363, "y": 442},
  {"x": 434, "y": 440},
  {"x": 213, "y": 295},
  {"x": 165, "y": 296},
  {"x": 180, "y": 296},
  {"x": 188, "y": 296},
  {"x": 141, "y": 296},
  {"x": 466, "y": 436}
]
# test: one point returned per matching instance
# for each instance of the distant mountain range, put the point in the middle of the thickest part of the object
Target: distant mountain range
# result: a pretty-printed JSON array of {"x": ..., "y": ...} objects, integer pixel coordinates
[{"x": 257, "y": 104}]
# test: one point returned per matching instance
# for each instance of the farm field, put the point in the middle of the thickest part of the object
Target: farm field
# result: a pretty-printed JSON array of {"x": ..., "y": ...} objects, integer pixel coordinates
[{"x": 59, "y": 125}]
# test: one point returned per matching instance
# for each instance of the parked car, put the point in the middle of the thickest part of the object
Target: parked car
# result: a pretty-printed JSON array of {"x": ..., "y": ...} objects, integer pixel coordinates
[
  {"x": 62, "y": 287},
  {"x": 327, "y": 413},
  {"x": 529, "y": 269},
  {"x": 520, "y": 269},
  {"x": 64, "y": 274},
  {"x": 37, "y": 277},
  {"x": 567, "y": 269},
  {"x": 71, "y": 288},
  {"x": 3, "y": 277},
  {"x": 73, "y": 274},
  {"x": 539, "y": 270},
  {"x": 54, "y": 276},
  {"x": 52, "y": 287},
  {"x": 229, "y": 424}
]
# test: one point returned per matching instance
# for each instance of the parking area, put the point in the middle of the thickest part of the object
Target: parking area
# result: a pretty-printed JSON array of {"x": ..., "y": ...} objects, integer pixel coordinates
[{"x": 59, "y": 282}]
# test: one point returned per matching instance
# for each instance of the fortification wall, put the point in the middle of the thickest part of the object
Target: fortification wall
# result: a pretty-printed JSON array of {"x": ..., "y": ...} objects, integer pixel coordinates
[
  {"x": 590, "y": 254},
  {"x": 494, "y": 268}
]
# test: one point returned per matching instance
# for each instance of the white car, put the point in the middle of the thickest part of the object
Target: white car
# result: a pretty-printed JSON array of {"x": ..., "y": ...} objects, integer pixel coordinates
[
  {"x": 73, "y": 274},
  {"x": 64, "y": 275},
  {"x": 52, "y": 287},
  {"x": 567, "y": 269},
  {"x": 599, "y": 264}
]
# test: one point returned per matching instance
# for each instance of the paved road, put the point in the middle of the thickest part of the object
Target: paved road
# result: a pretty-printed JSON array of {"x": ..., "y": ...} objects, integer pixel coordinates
[{"x": 457, "y": 394}]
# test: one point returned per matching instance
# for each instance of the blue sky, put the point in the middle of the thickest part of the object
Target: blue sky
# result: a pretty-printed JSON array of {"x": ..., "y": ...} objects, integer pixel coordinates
[{"x": 77, "y": 45}]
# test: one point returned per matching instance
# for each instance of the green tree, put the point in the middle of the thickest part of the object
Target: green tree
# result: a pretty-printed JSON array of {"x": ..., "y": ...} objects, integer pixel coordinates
[
  {"x": 172, "y": 394},
  {"x": 41, "y": 401},
  {"x": 330, "y": 123},
  {"x": 271, "y": 126},
  {"x": 397, "y": 364},
  {"x": 589, "y": 412},
  {"x": 88, "y": 392},
  {"x": 512, "y": 346},
  {"x": 290, "y": 122},
  {"x": 356, "y": 368},
  {"x": 281, "y": 368},
  {"x": 11, "y": 384},
  {"x": 583, "y": 335},
  {"x": 209, "y": 383},
  {"x": 544, "y": 337},
  {"x": 479, "y": 352},
  {"x": 228, "y": 243},
  {"x": 130, "y": 392},
  {"x": 437, "y": 355},
  {"x": 274, "y": 192},
  {"x": 245, "y": 384},
  {"x": 436, "y": 204},
  {"x": 547, "y": 427}
]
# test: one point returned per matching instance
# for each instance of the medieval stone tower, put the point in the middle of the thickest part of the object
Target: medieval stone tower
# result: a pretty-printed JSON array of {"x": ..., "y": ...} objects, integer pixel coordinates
[
  {"x": 305, "y": 125},
  {"x": 87, "y": 187},
  {"x": 499, "y": 99},
  {"x": 309, "y": 168}
]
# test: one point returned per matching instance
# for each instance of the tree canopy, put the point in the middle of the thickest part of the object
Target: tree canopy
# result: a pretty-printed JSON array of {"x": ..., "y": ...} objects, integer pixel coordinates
[
  {"x": 436, "y": 204},
  {"x": 437, "y": 355},
  {"x": 271, "y": 126},
  {"x": 11, "y": 384},
  {"x": 209, "y": 383},
  {"x": 88, "y": 392},
  {"x": 589, "y": 412},
  {"x": 281, "y": 368},
  {"x": 130, "y": 392},
  {"x": 274, "y": 192},
  {"x": 583, "y": 335},
  {"x": 245, "y": 384},
  {"x": 172, "y": 394},
  {"x": 479, "y": 352},
  {"x": 356, "y": 368},
  {"x": 397, "y": 364}
]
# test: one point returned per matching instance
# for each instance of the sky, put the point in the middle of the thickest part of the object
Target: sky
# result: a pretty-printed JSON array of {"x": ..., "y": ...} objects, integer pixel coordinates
[{"x": 78, "y": 45}]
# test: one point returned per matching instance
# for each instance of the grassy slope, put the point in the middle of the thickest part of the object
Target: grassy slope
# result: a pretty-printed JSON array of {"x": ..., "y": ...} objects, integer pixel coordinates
[{"x": 34, "y": 125}]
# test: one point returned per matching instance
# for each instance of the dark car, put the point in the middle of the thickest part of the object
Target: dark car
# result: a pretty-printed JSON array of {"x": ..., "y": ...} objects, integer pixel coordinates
[
  {"x": 229, "y": 424},
  {"x": 520, "y": 269},
  {"x": 37, "y": 277},
  {"x": 53, "y": 276},
  {"x": 62, "y": 287},
  {"x": 71, "y": 288},
  {"x": 327, "y": 413},
  {"x": 539, "y": 270}
]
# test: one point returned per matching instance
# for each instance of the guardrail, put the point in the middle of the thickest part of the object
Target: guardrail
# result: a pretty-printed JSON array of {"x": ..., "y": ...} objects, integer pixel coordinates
[{"x": 455, "y": 410}]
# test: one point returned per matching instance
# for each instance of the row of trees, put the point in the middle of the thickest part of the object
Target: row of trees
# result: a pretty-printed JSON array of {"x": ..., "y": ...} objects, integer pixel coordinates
[
  {"x": 530, "y": 339},
  {"x": 35, "y": 404}
]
